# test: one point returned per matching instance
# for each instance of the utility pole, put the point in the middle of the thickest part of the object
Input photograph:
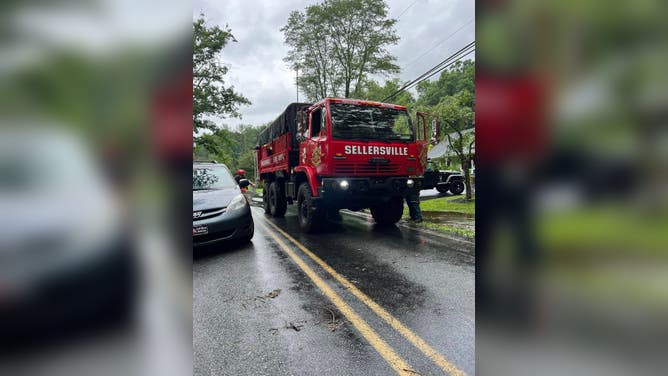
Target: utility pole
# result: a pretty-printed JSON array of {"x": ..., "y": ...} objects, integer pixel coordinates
[{"x": 297, "y": 82}]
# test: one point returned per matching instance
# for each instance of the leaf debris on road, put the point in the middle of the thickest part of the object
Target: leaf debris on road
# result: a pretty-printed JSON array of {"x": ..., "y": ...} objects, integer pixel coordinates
[{"x": 273, "y": 294}]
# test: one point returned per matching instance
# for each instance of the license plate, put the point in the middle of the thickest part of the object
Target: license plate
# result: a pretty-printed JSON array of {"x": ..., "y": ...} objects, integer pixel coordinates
[{"x": 200, "y": 230}]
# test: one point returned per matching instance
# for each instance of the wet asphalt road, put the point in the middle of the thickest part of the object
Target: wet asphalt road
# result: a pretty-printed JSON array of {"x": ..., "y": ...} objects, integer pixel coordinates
[
  {"x": 426, "y": 283},
  {"x": 432, "y": 193}
]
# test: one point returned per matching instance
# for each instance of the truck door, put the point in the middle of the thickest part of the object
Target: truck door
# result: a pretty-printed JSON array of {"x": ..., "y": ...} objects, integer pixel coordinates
[
  {"x": 315, "y": 149},
  {"x": 421, "y": 138}
]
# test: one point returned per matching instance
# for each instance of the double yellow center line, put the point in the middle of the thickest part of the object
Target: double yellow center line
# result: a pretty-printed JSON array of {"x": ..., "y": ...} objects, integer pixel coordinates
[{"x": 393, "y": 359}]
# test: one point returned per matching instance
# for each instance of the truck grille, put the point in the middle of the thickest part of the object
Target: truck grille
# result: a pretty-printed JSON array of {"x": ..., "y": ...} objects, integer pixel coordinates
[{"x": 352, "y": 168}]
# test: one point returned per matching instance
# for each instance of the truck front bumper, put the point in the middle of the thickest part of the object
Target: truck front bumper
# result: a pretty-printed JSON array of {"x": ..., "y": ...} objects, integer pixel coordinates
[{"x": 361, "y": 192}]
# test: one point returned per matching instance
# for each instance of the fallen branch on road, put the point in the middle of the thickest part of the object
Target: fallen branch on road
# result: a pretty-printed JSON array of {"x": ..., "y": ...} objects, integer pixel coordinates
[
  {"x": 294, "y": 325},
  {"x": 334, "y": 324}
]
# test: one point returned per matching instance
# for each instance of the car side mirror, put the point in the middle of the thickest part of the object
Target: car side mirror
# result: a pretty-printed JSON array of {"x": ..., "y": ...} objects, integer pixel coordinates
[{"x": 243, "y": 183}]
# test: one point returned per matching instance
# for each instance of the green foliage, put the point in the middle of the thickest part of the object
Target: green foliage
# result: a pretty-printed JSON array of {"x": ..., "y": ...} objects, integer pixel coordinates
[
  {"x": 373, "y": 91},
  {"x": 448, "y": 204},
  {"x": 605, "y": 229},
  {"x": 105, "y": 99},
  {"x": 233, "y": 148},
  {"x": 336, "y": 44},
  {"x": 216, "y": 145},
  {"x": 459, "y": 77},
  {"x": 458, "y": 118},
  {"x": 455, "y": 113},
  {"x": 210, "y": 95}
]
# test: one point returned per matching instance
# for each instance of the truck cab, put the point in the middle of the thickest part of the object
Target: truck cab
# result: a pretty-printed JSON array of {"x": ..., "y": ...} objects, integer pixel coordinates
[{"x": 346, "y": 153}]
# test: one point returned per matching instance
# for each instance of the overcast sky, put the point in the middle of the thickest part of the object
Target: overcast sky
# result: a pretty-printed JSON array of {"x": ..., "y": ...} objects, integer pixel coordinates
[{"x": 257, "y": 69}]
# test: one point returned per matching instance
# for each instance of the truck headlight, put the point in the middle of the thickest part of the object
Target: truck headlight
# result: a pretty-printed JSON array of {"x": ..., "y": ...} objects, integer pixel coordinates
[
  {"x": 410, "y": 183},
  {"x": 238, "y": 202},
  {"x": 344, "y": 184}
]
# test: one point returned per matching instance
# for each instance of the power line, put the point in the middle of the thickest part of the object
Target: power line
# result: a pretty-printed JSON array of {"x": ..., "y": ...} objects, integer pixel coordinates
[
  {"x": 440, "y": 70},
  {"x": 407, "y": 8},
  {"x": 440, "y": 66},
  {"x": 439, "y": 43},
  {"x": 463, "y": 52}
]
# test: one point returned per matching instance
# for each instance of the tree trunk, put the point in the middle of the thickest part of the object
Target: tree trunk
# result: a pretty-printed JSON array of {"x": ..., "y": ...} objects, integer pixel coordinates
[{"x": 467, "y": 177}]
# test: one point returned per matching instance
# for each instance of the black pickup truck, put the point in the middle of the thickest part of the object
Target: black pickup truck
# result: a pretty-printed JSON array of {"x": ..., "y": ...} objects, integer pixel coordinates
[{"x": 443, "y": 181}]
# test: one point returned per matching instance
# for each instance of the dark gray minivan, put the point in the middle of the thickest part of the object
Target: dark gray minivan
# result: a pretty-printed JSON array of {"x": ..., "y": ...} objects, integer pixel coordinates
[{"x": 220, "y": 211}]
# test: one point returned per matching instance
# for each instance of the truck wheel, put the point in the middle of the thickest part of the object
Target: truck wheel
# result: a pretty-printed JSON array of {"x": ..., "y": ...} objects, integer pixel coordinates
[
  {"x": 443, "y": 188},
  {"x": 388, "y": 213},
  {"x": 265, "y": 200},
  {"x": 277, "y": 201},
  {"x": 457, "y": 187},
  {"x": 309, "y": 220}
]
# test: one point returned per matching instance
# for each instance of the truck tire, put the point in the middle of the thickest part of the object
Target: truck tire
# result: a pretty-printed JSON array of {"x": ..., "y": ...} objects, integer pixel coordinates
[
  {"x": 309, "y": 220},
  {"x": 277, "y": 202},
  {"x": 443, "y": 188},
  {"x": 265, "y": 200},
  {"x": 388, "y": 213},
  {"x": 457, "y": 187}
]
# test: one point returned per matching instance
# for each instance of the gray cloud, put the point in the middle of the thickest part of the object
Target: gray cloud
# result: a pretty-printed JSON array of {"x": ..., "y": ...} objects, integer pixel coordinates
[{"x": 256, "y": 62}]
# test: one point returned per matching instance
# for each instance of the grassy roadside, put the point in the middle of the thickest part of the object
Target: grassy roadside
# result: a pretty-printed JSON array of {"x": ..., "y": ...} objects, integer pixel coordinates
[
  {"x": 449, "y": 204},
  {"x": 603, "y": 231},
  {"x": 436, "y": 215},
  {"x": 610, "y": 254},
  {"x": 449, "y": 229}
]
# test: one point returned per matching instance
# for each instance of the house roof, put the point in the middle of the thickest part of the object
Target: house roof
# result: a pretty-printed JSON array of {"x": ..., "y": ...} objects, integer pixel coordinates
[{"x": 442, "y": 149}]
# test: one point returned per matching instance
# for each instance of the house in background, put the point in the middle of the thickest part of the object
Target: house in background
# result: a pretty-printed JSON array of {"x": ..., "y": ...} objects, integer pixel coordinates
[{"x": 442, "y": 156}]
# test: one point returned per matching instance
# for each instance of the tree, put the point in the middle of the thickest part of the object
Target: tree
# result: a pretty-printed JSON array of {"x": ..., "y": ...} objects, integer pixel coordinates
[
  {"x": 458, "y": 121},
  {"x": 459, "y": 77},
  {"x": 233, "y": 148},
  {"x": 210, "y": 95},
  {"x": 309, "y": 54},
  {"x": 336, "y": 44},
  {"x": 216, "y": 145},
  {"x": 373, "y": 91}
]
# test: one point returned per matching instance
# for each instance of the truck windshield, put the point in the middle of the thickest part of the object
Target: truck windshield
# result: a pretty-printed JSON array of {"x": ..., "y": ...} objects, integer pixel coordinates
[{"x": 355, "y": 122}]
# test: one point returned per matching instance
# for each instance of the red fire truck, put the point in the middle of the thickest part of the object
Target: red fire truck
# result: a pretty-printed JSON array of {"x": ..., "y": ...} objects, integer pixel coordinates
[{"x": 339, "y": 154}]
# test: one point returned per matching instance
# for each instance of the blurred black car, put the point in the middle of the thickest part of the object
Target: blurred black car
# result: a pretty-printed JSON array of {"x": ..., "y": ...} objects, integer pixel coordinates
[
  {"x": 220, "y": 211},
  {"x": 67, "y": 258}
]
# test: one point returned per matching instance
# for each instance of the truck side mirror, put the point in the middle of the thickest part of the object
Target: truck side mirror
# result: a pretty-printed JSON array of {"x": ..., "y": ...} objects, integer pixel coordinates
[{"x": 243, "y": 183}]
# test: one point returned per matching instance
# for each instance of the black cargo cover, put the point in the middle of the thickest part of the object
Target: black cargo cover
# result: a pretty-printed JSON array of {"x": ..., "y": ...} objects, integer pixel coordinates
[{"x": 286, "y": 122}]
